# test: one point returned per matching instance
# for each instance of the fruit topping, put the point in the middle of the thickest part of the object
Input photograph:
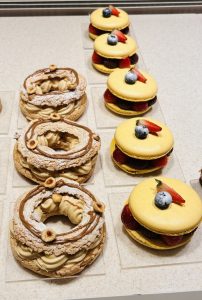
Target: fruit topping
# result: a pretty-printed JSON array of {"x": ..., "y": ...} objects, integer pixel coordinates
[
  {"x": 106, "y": 13},
  {"x": 141, "y": 132},
  {"x": 110, "y": 63},
  {"x": 128, "y": 220},
  {"x": 121, "y": 37},
  {"x": 134, "y": 59},
  {"x": 119, "y": 156},
  {"x": 150, "y": 125},
  {"x": 160, "y": 162},
  {"x": 96, "y": 58},
  {"x": 124, "y": 63},
  {"x": 112, "y": 39},
  {"x": 109, "y": 97},
  {"x": 161, "y": 186},
  {"x": 114, "y": 11},
  {"x": 130, "y": 77},
  {"x": 162, "y": 200},
  {"x": 140, "y": 106},
  {"x": 172, "y": 240},
  {"x": 140, "y": 76},
  {"x": 92, "y": 29}
]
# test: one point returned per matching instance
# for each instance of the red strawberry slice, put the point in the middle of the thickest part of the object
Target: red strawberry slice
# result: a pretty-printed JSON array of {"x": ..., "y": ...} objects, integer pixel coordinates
[
  {"x": 121, "y": 37},
  {"x": 92, "y": 29},
  {"x": 140, "y": 106},
  {"x": 128, "y": 220},
  {"x": 109, "y": 97},
  {"x": 160, "y": 162},
  {"x": 140, "y": 76},
  {"x": 162, "y": 187},
  {"x": 124, "y": 63},
  {"x": 172, "y": 240},
  {"x": 114, "y": 11},
  {"x": 119, "y": 156},
  {"x": 96, "y": 58},
  {"x": 150, "y": 125}
]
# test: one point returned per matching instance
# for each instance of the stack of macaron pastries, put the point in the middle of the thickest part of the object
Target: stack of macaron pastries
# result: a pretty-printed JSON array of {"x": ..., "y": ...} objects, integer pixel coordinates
[
  {"x": 162, "y": 213},
  {"x": 104, "y": 20},
  {"x": 130, "y": 92},
  {"x": 114, "y": 50},
  {"x": 141, "y": 145}
]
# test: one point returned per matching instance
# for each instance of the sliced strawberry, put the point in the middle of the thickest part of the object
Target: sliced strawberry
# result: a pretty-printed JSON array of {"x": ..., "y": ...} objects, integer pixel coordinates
[
  {"x": 124, "y": 63},
  {"x": 92, "y": 29},
  {"x": 140, "y": 76},
  {"x": 140, "y": 106},
  {"x": 114, "y": 11},
  {"x": 150, "y": 125},
  {"x": 96, "y": 58},
  {"x": 160, "y": 162},
  {"x": 172, "y": 240},
  {"x": 128, "y": 220},
  {"x": 119, "y": 156},
  {"x": 109, "y": 97},
  {"x": 121, "y": 37},
  {"x": 162, "y": 187}
]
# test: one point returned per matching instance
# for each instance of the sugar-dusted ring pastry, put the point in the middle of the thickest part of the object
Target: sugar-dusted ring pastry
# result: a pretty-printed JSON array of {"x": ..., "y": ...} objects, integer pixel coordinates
[
  {"x": 42, "y": 250},
  {"x": 56, "y": 148},
  {"x": 53, "y": 90}
]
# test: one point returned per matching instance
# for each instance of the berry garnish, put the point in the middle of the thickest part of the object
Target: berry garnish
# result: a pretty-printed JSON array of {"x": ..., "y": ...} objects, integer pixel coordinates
[
  {"x": 172, "y": 240},
  {"x": 160, "y": 162},
  {"x": 114, "y": 11},
  {"x": 161, "y": 186},
  {"x": 128, "y": 220},
  {"x": 96, "y": 58},
  {"x": 109, "y": 97},
  {"x": 141, "y": 132},
  {"x": 150, "y": 125},
  {"x": 106, "y": 13},
  {"x": 119, "y": 156},
  {"x": 140, "y": 106},
  {"x": 124, "y": 63},
  {"x": 140, "y": 76},
  {"x": 130, "y": 77},
  {"x": 92, "y": 29},
  {"x": 110, "y": 63},
  {"x": 121, "y": 37},
  {"x": 112, "y": 39},
  {"x": 162, "y": 200}
]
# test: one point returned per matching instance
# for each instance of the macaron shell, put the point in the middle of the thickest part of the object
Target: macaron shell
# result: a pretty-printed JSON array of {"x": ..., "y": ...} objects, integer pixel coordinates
[
  {"x": 92, "y": 36},
  {"x": 108, "y": 24},
  {"x": 127, "y": 168},
  {"x": 103, "y": 69},
  {"x": 176, "y": 219},
  {"x": 152, "y": 147},
  {"x": 123, "y": 112},
  {"x": 155, "y": 243},
  {"x": 119, "y": 51},
  {"x": 138, "y": 91}
]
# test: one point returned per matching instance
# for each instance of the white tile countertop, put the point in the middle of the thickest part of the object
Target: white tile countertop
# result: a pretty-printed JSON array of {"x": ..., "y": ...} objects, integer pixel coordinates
[{"x": 170, "y": 47}]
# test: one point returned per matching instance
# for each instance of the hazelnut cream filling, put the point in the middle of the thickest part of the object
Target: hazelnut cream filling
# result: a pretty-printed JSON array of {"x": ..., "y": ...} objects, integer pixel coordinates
[
  {"x": 57, "y": 145},
  {"x": 53, "y": 87}
]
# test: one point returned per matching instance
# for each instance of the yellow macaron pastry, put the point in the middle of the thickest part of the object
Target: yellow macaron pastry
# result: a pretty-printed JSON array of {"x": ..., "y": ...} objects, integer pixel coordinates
[
  {"x": 162, "y": 213},
  {"x": 114, "y": 50},
  {"x": 103, "y": 20},
  {"x": 141, "y": 145},
  {"x": 130, "y": 92}
]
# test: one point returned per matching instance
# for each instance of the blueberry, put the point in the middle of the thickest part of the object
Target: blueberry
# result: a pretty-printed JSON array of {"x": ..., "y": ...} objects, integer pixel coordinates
[
  {"x": 163, "y": 200},
  {"x": 112, "y": 39},
  {"x": 141, "y": 131},
  {"x": 130, "y": 77},
  {"x": 106, "y": 13}
]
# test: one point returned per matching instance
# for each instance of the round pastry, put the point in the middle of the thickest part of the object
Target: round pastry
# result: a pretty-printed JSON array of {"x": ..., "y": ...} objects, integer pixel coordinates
[
  {"x": 112, "y": 51},
  {"x": 38, "y": 247},
  {"x": 56, "y": 147},
  {"x": 162, "y": 213},
  {"x": 200, "y": 178},
  {"x": 53, "y": 90},
  {"x": 141, "y": 145},
  {"x": 104, "y": 20},
  {"x": 130, "y": 92}
]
